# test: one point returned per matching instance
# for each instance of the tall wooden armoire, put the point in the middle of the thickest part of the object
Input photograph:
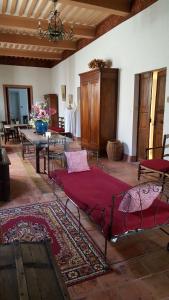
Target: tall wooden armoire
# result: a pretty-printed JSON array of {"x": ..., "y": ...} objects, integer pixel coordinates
[
  {"x": 52, "y": 100},
  {"x": 98, "y": 102}
]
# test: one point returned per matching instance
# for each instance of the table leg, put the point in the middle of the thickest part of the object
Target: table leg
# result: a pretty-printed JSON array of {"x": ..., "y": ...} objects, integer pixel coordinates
[{"x": 37, "y": 160}]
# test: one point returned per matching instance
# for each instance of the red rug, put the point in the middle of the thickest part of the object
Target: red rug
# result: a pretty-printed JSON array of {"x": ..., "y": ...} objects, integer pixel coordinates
[{"x": 76, "y": 254}]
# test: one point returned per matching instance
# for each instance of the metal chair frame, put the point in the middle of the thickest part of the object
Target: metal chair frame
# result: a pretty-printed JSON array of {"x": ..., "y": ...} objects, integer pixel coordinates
[{"x": 54, "y": 151}]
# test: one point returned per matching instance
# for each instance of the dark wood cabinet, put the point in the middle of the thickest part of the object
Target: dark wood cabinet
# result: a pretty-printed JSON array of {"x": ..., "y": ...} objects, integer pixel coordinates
[
  {"x": 4, "y": 176},
  {"x": 52, "y": 100},
  {"x": 98, "y": 101}
]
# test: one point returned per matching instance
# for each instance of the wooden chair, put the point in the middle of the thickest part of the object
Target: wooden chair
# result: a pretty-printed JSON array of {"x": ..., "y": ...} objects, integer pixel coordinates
[
  {"x": 156, "y": 165},
  {"x": 9, "y": 134},
  {"x": 61, "y": 122}
]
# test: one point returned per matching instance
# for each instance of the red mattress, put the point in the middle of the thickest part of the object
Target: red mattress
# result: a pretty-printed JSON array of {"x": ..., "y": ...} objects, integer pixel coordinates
[{"x": 92, "y": 191}]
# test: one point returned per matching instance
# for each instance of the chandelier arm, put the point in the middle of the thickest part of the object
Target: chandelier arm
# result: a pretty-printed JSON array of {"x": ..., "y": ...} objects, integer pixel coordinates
[{"x": 55, "y": 30}]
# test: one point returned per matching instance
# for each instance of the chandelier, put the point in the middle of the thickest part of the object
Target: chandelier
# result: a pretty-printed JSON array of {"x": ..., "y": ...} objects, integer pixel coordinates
[{"x": 55, "y": 30}]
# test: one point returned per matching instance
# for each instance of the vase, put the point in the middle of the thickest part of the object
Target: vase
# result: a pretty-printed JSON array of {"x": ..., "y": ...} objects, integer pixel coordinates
[
  {"x": 41, "y": 126},
  {"x": 114, "y": 150}
]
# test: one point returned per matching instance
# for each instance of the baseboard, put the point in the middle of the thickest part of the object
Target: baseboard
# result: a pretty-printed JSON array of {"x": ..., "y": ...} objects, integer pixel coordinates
[
  {"x": 75, "y": 138},
  {"x": 129, "y": 158}
]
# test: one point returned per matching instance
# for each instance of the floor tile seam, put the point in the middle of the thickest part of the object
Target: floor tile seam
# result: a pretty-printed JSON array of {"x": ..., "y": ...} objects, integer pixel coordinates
[
  {"x": 148, "y": 276},
  {"x": 138, "y": 257}
]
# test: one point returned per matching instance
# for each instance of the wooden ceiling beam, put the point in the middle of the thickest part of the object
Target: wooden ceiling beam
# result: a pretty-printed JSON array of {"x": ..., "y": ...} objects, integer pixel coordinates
[
  {"x": 81, "y": 31},
  {"x": 40, "y": 8},
  {"x": 13, "y": 6},
  {"x": 4, "y": 6},
  {"x": 30, "y": 54},
  {"x": 116, "y": 7},
  {"x": 23, "y": 7},
  {"x": 32, "y": 40},
  {"x": 32, "y": 7},
  {"x": 32, "y": 24}
]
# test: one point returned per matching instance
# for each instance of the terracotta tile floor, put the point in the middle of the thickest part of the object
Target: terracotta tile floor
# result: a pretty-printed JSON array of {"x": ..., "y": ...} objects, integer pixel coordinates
[{"x": 140, "y": 263}]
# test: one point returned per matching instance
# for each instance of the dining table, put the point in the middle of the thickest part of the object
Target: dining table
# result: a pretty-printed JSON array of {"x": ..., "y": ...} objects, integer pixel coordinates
[{"x": 41, "y": 141}]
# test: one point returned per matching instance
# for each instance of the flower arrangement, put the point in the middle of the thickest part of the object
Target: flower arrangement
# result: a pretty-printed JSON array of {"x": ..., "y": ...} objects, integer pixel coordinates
[
  {"x": 97, "y": 63},
  {"x": 41, "y": 111}
]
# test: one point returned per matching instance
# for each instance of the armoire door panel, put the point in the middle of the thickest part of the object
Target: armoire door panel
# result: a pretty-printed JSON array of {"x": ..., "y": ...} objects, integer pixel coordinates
[
  {"x": 101, "y": 101},
  {"x": 145, "y": 89},
  {"x": 94, "y": 114},
  {"x": 108, "y": 108},
  {"x": 85, "y": 116},
  {"x": 159, "y": 112}
]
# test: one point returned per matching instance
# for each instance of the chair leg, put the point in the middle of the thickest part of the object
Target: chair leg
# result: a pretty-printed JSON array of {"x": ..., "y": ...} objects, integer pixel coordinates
[
  {"x": 5, "y": 139},
  {"x": 139, "y": 172},
  {"x": 163, "y": 182},
  {"x": 23, "y": 151},
  {"x": 44, "y": 166}
]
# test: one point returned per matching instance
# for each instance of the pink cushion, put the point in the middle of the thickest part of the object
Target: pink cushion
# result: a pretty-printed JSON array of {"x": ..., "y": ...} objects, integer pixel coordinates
[
  {"x": 140, "y": 197},
  {"x": 156, "y": 164},
  {"x": 77, "y": 161}
]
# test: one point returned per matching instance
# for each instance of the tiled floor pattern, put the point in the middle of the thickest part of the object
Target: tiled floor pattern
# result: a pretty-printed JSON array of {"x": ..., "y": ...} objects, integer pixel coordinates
[{"x": 140, "y": 263}]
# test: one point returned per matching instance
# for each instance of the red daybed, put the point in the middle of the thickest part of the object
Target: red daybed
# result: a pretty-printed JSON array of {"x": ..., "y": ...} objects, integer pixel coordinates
[{"x": 93, "y": 190}]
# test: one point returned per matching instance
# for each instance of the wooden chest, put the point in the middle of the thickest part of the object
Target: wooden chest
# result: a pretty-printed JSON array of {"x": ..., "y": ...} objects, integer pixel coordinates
[
  {"x": 28, "y": 271},
  {"x": 4, "y": 176}
]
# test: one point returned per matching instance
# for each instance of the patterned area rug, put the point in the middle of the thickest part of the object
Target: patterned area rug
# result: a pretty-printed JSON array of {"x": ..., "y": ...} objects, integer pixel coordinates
[{"x": 76, "y": 254}]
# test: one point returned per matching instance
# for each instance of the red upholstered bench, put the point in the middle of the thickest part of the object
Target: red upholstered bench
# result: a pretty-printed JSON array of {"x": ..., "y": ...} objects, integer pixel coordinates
[
  {"x": 56, "y": 129},
  {"x": 157, "y": 164},
  {"x": 92, "y": 192}
]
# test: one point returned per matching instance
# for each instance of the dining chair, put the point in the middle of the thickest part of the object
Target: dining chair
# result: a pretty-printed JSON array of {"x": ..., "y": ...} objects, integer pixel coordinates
[
  {"x": 61, "y": 122},
  {"x": 158, "y": 166},
  {"x": 27, "y": 147},
  {"x": 9, "y": 132},
  {"x": 54, "y": 153}
]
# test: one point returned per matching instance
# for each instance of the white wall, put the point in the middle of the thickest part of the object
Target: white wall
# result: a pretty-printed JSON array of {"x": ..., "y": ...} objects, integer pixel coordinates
[
  {"x": 38, "y": 78},
  {"x": 138, "y": 45}
]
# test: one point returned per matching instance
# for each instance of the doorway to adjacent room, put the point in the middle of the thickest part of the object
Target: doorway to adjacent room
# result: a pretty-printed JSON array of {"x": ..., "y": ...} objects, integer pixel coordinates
[{"x": 18, "y": 100}]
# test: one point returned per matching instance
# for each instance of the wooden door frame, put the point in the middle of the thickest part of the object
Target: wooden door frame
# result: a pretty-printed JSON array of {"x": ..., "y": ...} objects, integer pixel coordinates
[
  {"x": 6, "y": 87},
  {"x": 137, "y": 88},
  {"x": 148, "y": 73}
]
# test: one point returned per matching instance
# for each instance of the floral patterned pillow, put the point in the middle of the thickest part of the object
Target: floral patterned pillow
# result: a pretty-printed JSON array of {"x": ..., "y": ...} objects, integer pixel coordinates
[
  {"x": 140, "y": 197},
  {"x": 77, "y": 161}
]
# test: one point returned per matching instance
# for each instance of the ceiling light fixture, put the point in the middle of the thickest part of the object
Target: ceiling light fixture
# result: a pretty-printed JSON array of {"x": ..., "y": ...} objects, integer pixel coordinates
[{"x": 55, "y": 30}]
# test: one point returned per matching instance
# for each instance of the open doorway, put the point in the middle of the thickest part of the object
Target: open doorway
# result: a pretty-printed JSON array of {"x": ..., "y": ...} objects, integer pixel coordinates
[
  {"x": 18, "y": 101},
  {"x": 151, "y": 112}
]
